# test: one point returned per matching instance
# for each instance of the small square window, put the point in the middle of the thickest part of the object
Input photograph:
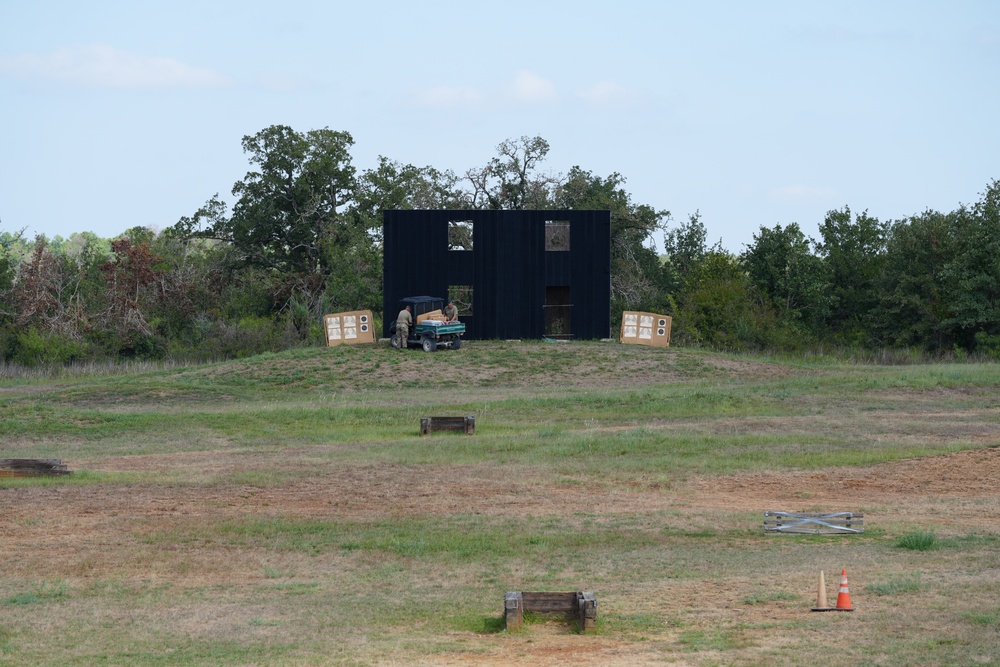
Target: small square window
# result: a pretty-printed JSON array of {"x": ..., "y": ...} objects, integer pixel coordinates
[
  {"x": 557, "y": 235},
  {"x": 460, "y": 235}
]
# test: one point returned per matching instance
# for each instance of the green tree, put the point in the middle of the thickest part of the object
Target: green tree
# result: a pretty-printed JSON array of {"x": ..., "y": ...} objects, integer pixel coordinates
[
  {"x": 914, "y": 301},
  {"x": 511, "y": 181},
  {"x": 291, "y": 218},
  {"x": 781, "y": 265},
  {"x": 685, "y": 246},
  {"x": 635, "y": 265},
  {"x": 396, "y": 186},
  {"x": 853, "y": 250},
  {"x": 287, "y": 209},
  {"x": 8, "y": 269},
  {"x": 973, "y": 275},
  {"x": 716, "y": 307}
]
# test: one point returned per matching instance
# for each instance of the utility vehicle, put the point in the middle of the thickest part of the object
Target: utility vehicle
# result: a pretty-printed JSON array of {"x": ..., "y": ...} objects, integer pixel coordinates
[{"x": 428, "y": 331}]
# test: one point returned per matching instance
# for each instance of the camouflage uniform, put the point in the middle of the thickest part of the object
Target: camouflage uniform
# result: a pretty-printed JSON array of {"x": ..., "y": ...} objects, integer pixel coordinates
[
  {"x": 450, "y": 313},
  {"x": 403, "y": 322}
]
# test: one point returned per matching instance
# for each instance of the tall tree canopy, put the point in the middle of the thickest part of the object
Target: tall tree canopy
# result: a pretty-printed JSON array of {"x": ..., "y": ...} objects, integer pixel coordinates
[
  {"x": 288, "y": 209},
  {"x": 782, "y": 266},
  {"x": 854, "y": 252}
]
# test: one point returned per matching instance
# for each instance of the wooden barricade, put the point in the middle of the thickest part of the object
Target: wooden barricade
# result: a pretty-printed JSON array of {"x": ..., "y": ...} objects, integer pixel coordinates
[
  {"x": 32, "y": 467},
  {"x": 430, "y": 424},
  {"x": 834, "y": 523},
  {"x": 578, "y": 606}
]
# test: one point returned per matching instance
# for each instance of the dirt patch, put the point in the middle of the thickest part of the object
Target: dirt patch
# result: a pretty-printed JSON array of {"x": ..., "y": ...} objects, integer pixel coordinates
[
  {"x": 962, "y": 490},
  {"x": 91, "y": 531}
]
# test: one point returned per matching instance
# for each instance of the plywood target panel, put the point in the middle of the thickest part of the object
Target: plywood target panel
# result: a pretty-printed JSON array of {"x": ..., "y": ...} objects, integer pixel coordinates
[
  {"x": 351, "y": 328},
  {"x": 645, "y": 329}
]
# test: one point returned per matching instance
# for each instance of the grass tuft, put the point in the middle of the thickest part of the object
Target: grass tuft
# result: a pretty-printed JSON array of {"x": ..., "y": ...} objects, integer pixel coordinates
[
  {"x": 990, "y": 619},
  {"x": 762, "y": 597},
  {"x": 918, "y": 540},
  {"x": 41, "y": 592},
  {"x": 895, "y": 586}
]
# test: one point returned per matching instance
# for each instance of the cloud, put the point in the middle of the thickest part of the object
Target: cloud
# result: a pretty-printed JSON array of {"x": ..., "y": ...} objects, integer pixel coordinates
[
  {"x": 609, "y": 94},
  {"x": 531, "y": 89},
  {"x": 526, "y": 89},
  {"x": 102, "y": 66}
]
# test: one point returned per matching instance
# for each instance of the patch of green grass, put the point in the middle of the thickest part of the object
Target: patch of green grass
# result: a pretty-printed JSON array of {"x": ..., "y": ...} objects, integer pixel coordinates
[
  {"x": 990, "y": 619},
  {"x": 972, "y": 540},
  {"x": 80, "y": 478},
  {"x": 458, "y": 539},
  {"x": 479, "y": 624},
  {"x": 182, "y": 651},
  {"x": 918, "y": 540},
  {"x": 257, "y": 478},
  {"x": 40, "y": 593},
  {"x": 761, "y": 597},
  {"x": 895, "y": 586},
  {"x": 636, "y": 624},
  {"x": 710, "y": 640},
  {"x": 275, "y": 573},
  {"x": 295, "y": 587}
]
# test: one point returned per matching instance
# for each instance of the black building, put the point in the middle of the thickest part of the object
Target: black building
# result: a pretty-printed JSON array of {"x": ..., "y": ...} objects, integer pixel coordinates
[{"x": 513, "y": 274}]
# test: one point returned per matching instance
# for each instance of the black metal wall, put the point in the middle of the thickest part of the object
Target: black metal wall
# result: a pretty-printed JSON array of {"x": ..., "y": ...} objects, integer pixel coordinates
[{"x": 508, "y": 268}]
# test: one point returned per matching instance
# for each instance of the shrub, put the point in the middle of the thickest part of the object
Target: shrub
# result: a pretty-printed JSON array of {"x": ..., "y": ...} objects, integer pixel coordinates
[{"x": 32, "y": 348}]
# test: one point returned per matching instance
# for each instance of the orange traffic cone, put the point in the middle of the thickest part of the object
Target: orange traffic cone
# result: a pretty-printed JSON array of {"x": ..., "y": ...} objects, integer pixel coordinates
[
  {"x": 844, "y": 596},
  {"x": 821, "y": 603}
]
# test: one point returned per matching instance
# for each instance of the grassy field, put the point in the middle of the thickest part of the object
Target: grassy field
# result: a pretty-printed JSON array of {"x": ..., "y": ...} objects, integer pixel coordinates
[{"x": 283, "y": 510}]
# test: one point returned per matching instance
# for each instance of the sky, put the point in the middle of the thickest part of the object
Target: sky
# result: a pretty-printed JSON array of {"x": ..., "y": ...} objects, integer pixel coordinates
[{"x": 122, "y": 114}]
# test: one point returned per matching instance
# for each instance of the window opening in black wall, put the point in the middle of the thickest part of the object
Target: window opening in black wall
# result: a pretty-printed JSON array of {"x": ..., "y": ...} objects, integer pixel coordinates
[
  {"x": 461, "y": 296},
  {"x": 459, "y": 235},
  {"x": 557, "y": 235},
  {"x": 558, "y": 311}
]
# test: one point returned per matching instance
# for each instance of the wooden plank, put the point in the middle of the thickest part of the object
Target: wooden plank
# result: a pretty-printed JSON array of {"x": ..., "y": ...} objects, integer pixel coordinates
[
  {"x": 577, "y": 606},
  {"x": 432, "y": 315},
  {"x": 815, "y": 523},
  {"x": 430, "y": 424},
  {"x": 550, "y": 602},
  {"x": 32, "y": 467},
  {"x": 586, "y": 602},
  {"x": 513, "y": 610}
]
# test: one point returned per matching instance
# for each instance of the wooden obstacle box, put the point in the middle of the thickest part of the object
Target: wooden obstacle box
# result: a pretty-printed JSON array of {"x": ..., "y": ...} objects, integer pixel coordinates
[
  {"x": 577, "y": 606},
  {"x": 430, "y": 424},
  {"x": 32, "y": 467},
  {"x": 834, "y": 523}
]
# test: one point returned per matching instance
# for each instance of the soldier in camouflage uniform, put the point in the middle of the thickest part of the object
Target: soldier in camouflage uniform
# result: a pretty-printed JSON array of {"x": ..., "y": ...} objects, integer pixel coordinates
[
  {"x": 403, "y": 322},
  {"x": 450, "y": 313}
]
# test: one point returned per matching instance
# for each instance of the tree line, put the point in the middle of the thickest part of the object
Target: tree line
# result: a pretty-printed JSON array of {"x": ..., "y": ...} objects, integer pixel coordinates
[{"x": 303, "y": 238}]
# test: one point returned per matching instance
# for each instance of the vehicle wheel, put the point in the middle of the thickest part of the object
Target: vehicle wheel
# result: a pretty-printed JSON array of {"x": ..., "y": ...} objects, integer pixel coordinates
[
  {"x": 429, "y": 344},
  {"x": 394, "y": 340},
  {"x": 456, "y": 343}
]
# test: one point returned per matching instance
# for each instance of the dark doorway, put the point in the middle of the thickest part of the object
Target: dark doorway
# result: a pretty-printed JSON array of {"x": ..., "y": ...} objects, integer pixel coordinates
[{"x": 558, "y": 310}]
